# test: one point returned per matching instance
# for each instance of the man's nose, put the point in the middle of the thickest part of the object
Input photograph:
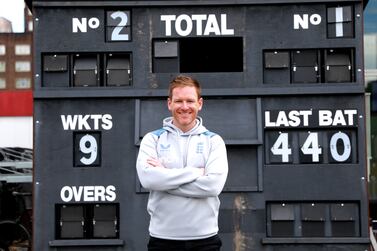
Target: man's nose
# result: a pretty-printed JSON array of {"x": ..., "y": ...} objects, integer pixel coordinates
[{"x": 185, "y": 105}]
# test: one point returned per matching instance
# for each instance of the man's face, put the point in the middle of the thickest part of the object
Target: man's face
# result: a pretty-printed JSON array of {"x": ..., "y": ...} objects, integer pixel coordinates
[{"x": 184, "y": 106}]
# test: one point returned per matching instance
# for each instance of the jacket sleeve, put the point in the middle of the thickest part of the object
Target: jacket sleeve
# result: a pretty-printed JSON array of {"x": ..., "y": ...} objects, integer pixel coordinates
[
  {"x": 156, "y": 178},
  {"x": 216, "y": 171}
]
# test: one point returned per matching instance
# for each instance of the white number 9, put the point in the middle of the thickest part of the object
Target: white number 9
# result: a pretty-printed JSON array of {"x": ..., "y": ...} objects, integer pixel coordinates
[{"x": 88, "y": 145}]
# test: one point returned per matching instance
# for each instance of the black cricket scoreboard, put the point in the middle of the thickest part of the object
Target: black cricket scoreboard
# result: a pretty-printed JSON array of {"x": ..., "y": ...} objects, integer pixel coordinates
[{"x": 282, "y": 84}]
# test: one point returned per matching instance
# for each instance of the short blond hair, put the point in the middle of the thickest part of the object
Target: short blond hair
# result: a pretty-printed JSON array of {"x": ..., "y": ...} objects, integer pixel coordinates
[{"x": 182, "y": 81}]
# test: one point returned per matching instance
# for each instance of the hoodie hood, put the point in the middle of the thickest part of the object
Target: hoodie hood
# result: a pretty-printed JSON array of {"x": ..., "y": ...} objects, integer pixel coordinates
[{"x": 197, "y": 129}]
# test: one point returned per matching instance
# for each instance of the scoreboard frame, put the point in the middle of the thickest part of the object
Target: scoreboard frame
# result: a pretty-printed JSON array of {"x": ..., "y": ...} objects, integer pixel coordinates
[{"x": 283, "y": 85}]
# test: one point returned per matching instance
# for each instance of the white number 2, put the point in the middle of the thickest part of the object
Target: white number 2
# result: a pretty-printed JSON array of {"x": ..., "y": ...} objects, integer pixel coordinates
[
  {"x": 281, "y": 147},
  {"x": 88, "y": 145},
  {"x": 115, "y": 35}
]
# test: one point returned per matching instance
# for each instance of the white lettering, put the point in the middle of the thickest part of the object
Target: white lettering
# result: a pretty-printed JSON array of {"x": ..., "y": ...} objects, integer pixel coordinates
[
  {"x": 111, "y": 195},
  {"x": 300, "y": 21},
  {"x": 77, "y": 192},
  {"x": 87, "y": 122},
  {"x": 324, "y": 117},
  {"x": 83, "y": 122},
  {"x": 107, "y": 122},
  {"x": 93, "y": 22},
  {"x": 178, "y": 25},
  {"x": 66, "y": 194},
  {"x": 184, "y": 23},
  {"x": 282, "y": 119},
  {"x": 292, "y": 118},
  {"x": 88, "y": 193},
  {"x": 69, "y": 122},
  {"x": 337, "y": 118},
  {"x": 306, "y": 114},
  {"x": 315, "y": 19},
  {"x": 168, "y": 20},
  {"x": 350, "y": 114},
  {"x": 212, "y": 26},
  {"x": 199, "y": 23},
  {"x": 303, "y": 21},
  {"x": 224, "y": 28},
  {"x": 267, "y": 120},
  {"x": 77, "y": 25}
]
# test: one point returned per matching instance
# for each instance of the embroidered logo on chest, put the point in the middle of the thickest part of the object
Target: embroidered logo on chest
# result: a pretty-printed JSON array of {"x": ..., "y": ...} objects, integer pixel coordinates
[
  {"x": 199, "y": 147},
  {"x": 164, "y": 148}
]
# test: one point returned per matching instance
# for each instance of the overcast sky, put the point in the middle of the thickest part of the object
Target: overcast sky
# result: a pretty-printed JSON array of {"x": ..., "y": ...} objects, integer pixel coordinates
[{"x": 13, "y": 11}]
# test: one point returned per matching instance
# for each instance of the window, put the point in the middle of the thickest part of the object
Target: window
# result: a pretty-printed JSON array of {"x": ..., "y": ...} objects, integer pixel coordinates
[
  {"x": 30, "y": 26},
  {"x": 22, "y": 49},
  {"x": 3, "y": 66},
  {"x": 23, "y": 66},
  {"x": 2, "y": 49},
  {"x": 23, "y": 83},
  {"x": 2, "y": 83}
]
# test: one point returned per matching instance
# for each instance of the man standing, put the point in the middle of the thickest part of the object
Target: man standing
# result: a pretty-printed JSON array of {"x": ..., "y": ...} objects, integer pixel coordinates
[{"x": 185, "y": 168}]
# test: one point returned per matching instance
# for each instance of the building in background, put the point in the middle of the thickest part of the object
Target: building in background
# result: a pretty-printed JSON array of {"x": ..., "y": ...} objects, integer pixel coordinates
[
  {"x": 16, "y": 130},
  {"x": 370, "y": 61}
]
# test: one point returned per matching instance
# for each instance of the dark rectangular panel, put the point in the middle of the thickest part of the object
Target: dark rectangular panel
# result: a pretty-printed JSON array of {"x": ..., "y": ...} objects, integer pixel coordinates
[
  {"x": 305, "y": 58},
  {"x": 164, "y": 65},
  {"x": 282, "y": 212},
  {"x": 344, "y": 217},
  {"x": 282, "y": 220},
  {"x": 243, "y": 163},
  {"x": 165, "y": 49},
  {"x": 339, "y": 14},
  {"x": 55, "y": 63},
  {"x": 305, "y": 74},
  {"x": 343, "y": 212},
  {"x": 239, "y": 127},
  {"x": 105, "y": 221},
  {"x": 118, "y": 70},
  {"x": 85, "y": 70},
  {"x": 223, "y": 54},
  {"x": 55, "y": 71},
  {"x": 71, "y": 221},
  {"x": 276, "y": 59}
]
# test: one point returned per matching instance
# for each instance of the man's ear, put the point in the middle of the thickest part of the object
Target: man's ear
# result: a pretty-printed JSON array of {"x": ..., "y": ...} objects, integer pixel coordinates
[
  {"x": 169, "y": 103},
  {"x": 200, "y": 101}
]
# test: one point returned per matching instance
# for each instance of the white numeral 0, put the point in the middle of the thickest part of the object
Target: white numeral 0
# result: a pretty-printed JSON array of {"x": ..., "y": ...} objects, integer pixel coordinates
[
  {"x": 91, "y": 149},
  {"x": 115, "y": 35},
  {"x": 346, "y": 143}
]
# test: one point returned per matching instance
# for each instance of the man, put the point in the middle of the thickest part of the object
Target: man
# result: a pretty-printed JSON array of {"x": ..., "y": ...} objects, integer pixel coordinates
[{"x": 185, "y": 168}]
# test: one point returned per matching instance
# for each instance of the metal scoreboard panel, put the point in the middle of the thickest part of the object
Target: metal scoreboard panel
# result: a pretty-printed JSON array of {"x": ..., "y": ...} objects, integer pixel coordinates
[{"x": 283, "y": 85}]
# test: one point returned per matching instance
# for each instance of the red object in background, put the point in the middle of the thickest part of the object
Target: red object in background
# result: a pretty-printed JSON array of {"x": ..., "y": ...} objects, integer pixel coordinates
[{"x": 16, "y": 103}]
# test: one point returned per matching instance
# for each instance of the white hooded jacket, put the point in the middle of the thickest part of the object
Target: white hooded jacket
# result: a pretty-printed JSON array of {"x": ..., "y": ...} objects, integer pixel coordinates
[{"x": 183, "y": 204}]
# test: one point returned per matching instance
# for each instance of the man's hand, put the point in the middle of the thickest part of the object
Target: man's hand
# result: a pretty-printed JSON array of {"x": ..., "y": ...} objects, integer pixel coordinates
[
  {"x": 200, "y": 171},
  {"x": 155, "y": 163}
]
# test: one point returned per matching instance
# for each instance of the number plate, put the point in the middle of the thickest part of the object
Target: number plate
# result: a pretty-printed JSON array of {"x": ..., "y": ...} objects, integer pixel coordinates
[{"x": 87, "y": 149}]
